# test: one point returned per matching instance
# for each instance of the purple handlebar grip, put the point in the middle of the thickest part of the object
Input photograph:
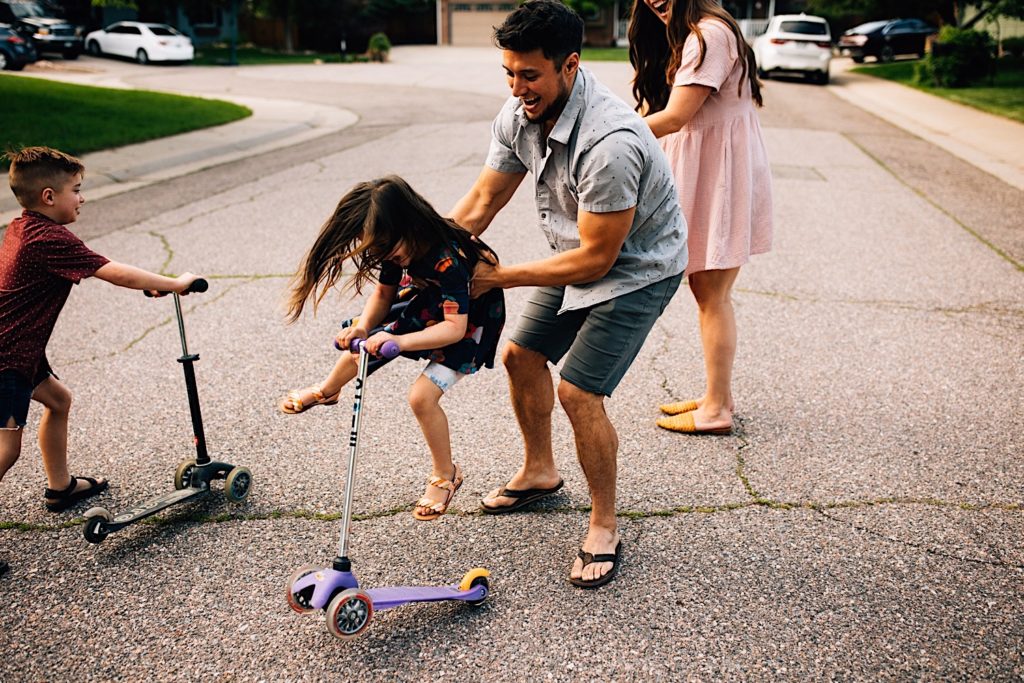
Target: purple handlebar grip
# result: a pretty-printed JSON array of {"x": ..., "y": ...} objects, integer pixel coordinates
[{"x": 388, "y": 349}]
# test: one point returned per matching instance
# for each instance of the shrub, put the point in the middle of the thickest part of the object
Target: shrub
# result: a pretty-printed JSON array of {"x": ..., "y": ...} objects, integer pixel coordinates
[
  {"x": 378, "y": 47},
  {"x": 1014, "y": 46},
  {"x": 958, "y": 58}
]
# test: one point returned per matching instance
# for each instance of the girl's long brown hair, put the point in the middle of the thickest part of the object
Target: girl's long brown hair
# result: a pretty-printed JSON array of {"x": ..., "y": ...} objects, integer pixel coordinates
[
  {"x": 366, "y": 226},
  {"x": 655, "y": 49}
]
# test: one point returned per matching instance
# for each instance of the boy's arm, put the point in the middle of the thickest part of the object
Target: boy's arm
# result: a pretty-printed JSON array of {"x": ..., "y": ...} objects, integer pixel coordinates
[{"x": 123, "y": 275}]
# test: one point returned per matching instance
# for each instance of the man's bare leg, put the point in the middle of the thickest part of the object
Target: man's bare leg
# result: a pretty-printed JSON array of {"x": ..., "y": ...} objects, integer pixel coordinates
[
  {"x": 597, "y": 446},
  {"x": 533, "y": 400}
]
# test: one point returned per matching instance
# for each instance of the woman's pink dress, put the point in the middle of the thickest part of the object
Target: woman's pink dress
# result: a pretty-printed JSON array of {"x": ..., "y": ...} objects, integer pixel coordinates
[{"x": 719, "y": 159}]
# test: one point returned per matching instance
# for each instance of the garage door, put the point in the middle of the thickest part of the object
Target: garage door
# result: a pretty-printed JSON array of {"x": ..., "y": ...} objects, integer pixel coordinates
[{"x": 473, "y": 25}]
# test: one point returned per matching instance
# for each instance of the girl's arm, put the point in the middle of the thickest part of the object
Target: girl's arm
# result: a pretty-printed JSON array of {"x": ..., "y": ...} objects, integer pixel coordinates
[
  {"x": 448, "y": 331},
  {"x": 683, "y": 103},
  {"x": 374, "y": 310}
]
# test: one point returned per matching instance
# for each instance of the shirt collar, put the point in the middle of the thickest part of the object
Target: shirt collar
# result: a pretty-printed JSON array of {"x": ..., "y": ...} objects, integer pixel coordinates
[{"x": 567, "y": 119}]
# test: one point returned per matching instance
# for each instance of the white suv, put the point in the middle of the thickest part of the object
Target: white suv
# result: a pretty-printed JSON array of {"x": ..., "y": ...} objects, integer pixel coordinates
[{"x": 796, "y": 43}]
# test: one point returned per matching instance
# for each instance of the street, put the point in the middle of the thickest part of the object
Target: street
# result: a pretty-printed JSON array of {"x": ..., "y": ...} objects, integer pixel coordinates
[{"x": 863, "y": 522}]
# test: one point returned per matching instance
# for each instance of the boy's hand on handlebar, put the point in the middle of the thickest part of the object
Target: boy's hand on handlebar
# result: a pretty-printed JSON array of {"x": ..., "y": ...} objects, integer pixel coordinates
[
  {"x": 374, "y": 343},
  {"x": 184, "y": 281},
  {"x": 344, "y": 338}
]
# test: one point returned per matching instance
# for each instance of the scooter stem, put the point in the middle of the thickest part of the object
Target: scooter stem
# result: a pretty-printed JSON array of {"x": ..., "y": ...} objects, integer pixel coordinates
[
  {"x": 187, "y": 360},
  {"x": 353, "y": 442}
]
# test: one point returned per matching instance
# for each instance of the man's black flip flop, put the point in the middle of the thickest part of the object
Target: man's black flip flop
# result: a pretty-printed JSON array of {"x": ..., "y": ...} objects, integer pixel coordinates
[
  {"x": 523, "y": 498},
  {"x": 589, "y": 558}
]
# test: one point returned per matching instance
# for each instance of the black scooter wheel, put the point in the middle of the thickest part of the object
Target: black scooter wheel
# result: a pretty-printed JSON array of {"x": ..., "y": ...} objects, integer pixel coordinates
[
  {"x": 95, "y": 518},
  {"x": 237, "y": 484},
  {"x": 348, "y": 613},
  {"x": 183, "y": 475}
]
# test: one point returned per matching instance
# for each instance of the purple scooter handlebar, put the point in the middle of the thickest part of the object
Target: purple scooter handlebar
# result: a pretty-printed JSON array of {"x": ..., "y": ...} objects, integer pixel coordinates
[{"x": 388, "y": 349}]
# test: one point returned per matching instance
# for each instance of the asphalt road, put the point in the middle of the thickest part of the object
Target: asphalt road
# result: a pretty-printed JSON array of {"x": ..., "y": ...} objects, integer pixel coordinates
[{"x": 863, "y": 522}]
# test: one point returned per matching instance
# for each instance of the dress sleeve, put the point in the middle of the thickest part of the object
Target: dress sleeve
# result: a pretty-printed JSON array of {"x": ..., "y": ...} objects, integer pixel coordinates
[
  {"x": 390, "y": 273},
  {"x": 66, "y": 256},
  {"x": 454, "y": 275},
  {"x": 719, "y": 57}
]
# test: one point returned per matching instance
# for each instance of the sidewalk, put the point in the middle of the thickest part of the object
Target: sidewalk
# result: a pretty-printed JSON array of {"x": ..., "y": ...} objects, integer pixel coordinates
[{"x": 991, "y": 143}]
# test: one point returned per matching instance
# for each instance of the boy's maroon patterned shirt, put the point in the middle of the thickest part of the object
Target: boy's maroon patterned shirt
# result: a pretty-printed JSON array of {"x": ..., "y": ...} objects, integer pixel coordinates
[{"x": 39, "y": 261}]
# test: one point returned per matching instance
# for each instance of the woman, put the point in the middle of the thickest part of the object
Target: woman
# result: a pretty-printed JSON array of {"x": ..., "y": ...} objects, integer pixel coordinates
[{"x": 696, "y": 85}]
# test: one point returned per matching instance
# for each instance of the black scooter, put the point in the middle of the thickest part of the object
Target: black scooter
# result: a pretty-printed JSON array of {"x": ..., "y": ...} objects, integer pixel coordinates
[{"x": 192, "y": 478}]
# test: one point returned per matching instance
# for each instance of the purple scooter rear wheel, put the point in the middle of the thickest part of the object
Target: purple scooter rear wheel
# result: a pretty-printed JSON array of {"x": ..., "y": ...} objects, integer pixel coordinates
[{"x": 349, "y": 613}]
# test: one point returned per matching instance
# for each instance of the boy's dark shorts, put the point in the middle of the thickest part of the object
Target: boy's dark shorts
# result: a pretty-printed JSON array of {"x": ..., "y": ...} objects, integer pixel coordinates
[
  {"x": 599, "y": 343},
  {"x": 16, "y": 393}
]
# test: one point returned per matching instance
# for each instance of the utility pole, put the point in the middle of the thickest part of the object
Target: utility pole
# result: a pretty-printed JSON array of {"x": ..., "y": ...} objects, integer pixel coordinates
[{"x": 233, "y": 59}]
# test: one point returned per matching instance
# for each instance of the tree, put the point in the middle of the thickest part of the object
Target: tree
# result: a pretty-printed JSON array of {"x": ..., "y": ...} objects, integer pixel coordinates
[{"x": 963, "y": 13}]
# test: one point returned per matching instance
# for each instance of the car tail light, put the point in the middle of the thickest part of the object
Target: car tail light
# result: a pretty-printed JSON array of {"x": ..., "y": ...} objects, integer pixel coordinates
[
  {"x": 15, "y": 39},
  {"x": 823, "y": 43},
  {"x": 778, "y": 41}
]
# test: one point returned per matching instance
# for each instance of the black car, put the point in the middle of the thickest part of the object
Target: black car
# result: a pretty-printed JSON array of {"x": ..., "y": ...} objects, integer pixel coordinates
[
  {"x": 33, "y": 21},
  {"x": 15, "y": 51},
  {"x": 886, "y": 39}
]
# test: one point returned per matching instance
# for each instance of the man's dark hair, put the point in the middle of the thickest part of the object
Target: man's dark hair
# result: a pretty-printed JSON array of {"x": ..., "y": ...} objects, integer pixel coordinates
[{"x": 547, "y": 25}]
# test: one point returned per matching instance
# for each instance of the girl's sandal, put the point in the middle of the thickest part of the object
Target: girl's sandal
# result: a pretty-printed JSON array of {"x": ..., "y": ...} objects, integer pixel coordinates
[
  {"x": 292, "y": 404},
  {"x": 427, "y": 509}
]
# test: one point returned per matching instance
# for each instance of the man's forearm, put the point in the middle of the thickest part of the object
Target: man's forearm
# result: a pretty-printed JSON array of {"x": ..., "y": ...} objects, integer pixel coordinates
[{"x": 573, "y": 267}]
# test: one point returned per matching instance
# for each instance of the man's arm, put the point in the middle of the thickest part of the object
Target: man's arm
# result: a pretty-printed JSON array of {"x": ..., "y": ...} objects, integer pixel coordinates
[
  {"x": 489, "y": 195},
  {"x": 601, "y": 238}
]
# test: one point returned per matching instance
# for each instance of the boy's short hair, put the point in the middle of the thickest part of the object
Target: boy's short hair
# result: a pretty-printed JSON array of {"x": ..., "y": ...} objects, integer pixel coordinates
[
  {"x": 547, "y": 25},
  {"x": 33, "y": 169}
]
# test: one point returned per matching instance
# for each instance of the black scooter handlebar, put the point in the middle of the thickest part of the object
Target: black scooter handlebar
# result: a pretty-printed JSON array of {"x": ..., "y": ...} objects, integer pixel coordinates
[{"x": 198, "y": 285}]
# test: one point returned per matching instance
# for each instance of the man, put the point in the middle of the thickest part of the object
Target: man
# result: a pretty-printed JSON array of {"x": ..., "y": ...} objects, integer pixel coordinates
[{"x": 607, "y": 204}]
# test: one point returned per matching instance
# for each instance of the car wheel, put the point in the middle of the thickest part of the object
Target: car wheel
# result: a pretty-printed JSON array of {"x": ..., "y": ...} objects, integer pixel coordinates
[
  {"x": 71, "y": 55},
  {"x": 858, "y": 60},
  {"x": 94, "y": 48},
  {"x": 887, "y": 54},
  {"x": 822, "y": 78},
  {"x": 141, "y": 57},
  {"x": 5, "y": 63}
]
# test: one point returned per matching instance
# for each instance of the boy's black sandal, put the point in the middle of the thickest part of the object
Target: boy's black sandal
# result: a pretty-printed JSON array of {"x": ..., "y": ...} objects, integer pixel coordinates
[
  {"x": 62, "y": 500},
  {"x": 589, "y": 558}
]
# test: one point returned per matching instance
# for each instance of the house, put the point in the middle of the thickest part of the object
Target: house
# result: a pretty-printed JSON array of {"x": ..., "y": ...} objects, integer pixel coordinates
[{"x": 472, "y": 23}]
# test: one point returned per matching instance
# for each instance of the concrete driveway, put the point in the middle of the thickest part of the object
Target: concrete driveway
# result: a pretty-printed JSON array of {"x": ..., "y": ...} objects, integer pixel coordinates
[{"x": 863, "y": 522}]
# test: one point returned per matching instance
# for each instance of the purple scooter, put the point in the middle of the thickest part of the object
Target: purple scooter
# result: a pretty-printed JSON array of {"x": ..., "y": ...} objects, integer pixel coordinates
[{"x": 335, "y": 588}]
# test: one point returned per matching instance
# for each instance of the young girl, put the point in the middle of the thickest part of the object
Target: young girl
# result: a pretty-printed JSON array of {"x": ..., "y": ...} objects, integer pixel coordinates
[{"x": 384, "y": 228}]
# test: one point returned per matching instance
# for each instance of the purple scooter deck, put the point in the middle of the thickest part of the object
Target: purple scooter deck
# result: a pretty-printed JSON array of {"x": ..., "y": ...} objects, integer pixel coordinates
[{"x": 386, "y": 598}]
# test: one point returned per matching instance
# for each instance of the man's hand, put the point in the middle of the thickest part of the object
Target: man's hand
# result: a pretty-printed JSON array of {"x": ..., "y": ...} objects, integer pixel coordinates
[{"x": 485, "y": 278}]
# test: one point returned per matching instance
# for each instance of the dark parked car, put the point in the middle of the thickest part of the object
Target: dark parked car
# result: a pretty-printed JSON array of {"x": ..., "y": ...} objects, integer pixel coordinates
[
  {"x": 886, "y": 39},
  {"x": 15, "y": 51},
  {"x": 35, "y": 22}
]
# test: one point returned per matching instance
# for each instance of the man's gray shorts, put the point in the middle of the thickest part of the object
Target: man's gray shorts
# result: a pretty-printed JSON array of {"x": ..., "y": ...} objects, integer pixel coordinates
[{"x": 599, "y": 343}]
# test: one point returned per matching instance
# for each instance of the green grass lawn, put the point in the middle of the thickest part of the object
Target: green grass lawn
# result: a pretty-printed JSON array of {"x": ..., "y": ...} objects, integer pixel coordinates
[
  {"x": 605, "y": 54},
  {"x": 1004, "y": 96},
  {"x": 78, "y": 119},
  {"x": 248, "y": 56}
]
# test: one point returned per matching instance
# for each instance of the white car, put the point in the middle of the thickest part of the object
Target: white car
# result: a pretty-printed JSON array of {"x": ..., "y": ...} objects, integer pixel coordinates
[
  {"x": 142, "y": 42},
  {"x": 795, "y": 43}
]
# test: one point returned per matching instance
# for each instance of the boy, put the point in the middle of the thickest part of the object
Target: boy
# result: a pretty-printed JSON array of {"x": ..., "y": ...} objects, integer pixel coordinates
[{"x": 39, "y": 261}]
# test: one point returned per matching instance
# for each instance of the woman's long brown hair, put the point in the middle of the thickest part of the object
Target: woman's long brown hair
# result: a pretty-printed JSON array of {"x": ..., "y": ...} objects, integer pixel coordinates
[
  {"x": 655, "y": 49},
  {"x": 365, "y": 228}
]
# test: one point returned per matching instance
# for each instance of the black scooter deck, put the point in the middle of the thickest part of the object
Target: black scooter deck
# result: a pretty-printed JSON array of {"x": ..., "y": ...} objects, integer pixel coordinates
[{"x": 155, "y": 505}]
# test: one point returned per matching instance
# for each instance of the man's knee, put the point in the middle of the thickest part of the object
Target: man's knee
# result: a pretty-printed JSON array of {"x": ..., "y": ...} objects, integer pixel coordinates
[
  {"x": 576, "y": 401},
  {"x": 519, "y": 360}
]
